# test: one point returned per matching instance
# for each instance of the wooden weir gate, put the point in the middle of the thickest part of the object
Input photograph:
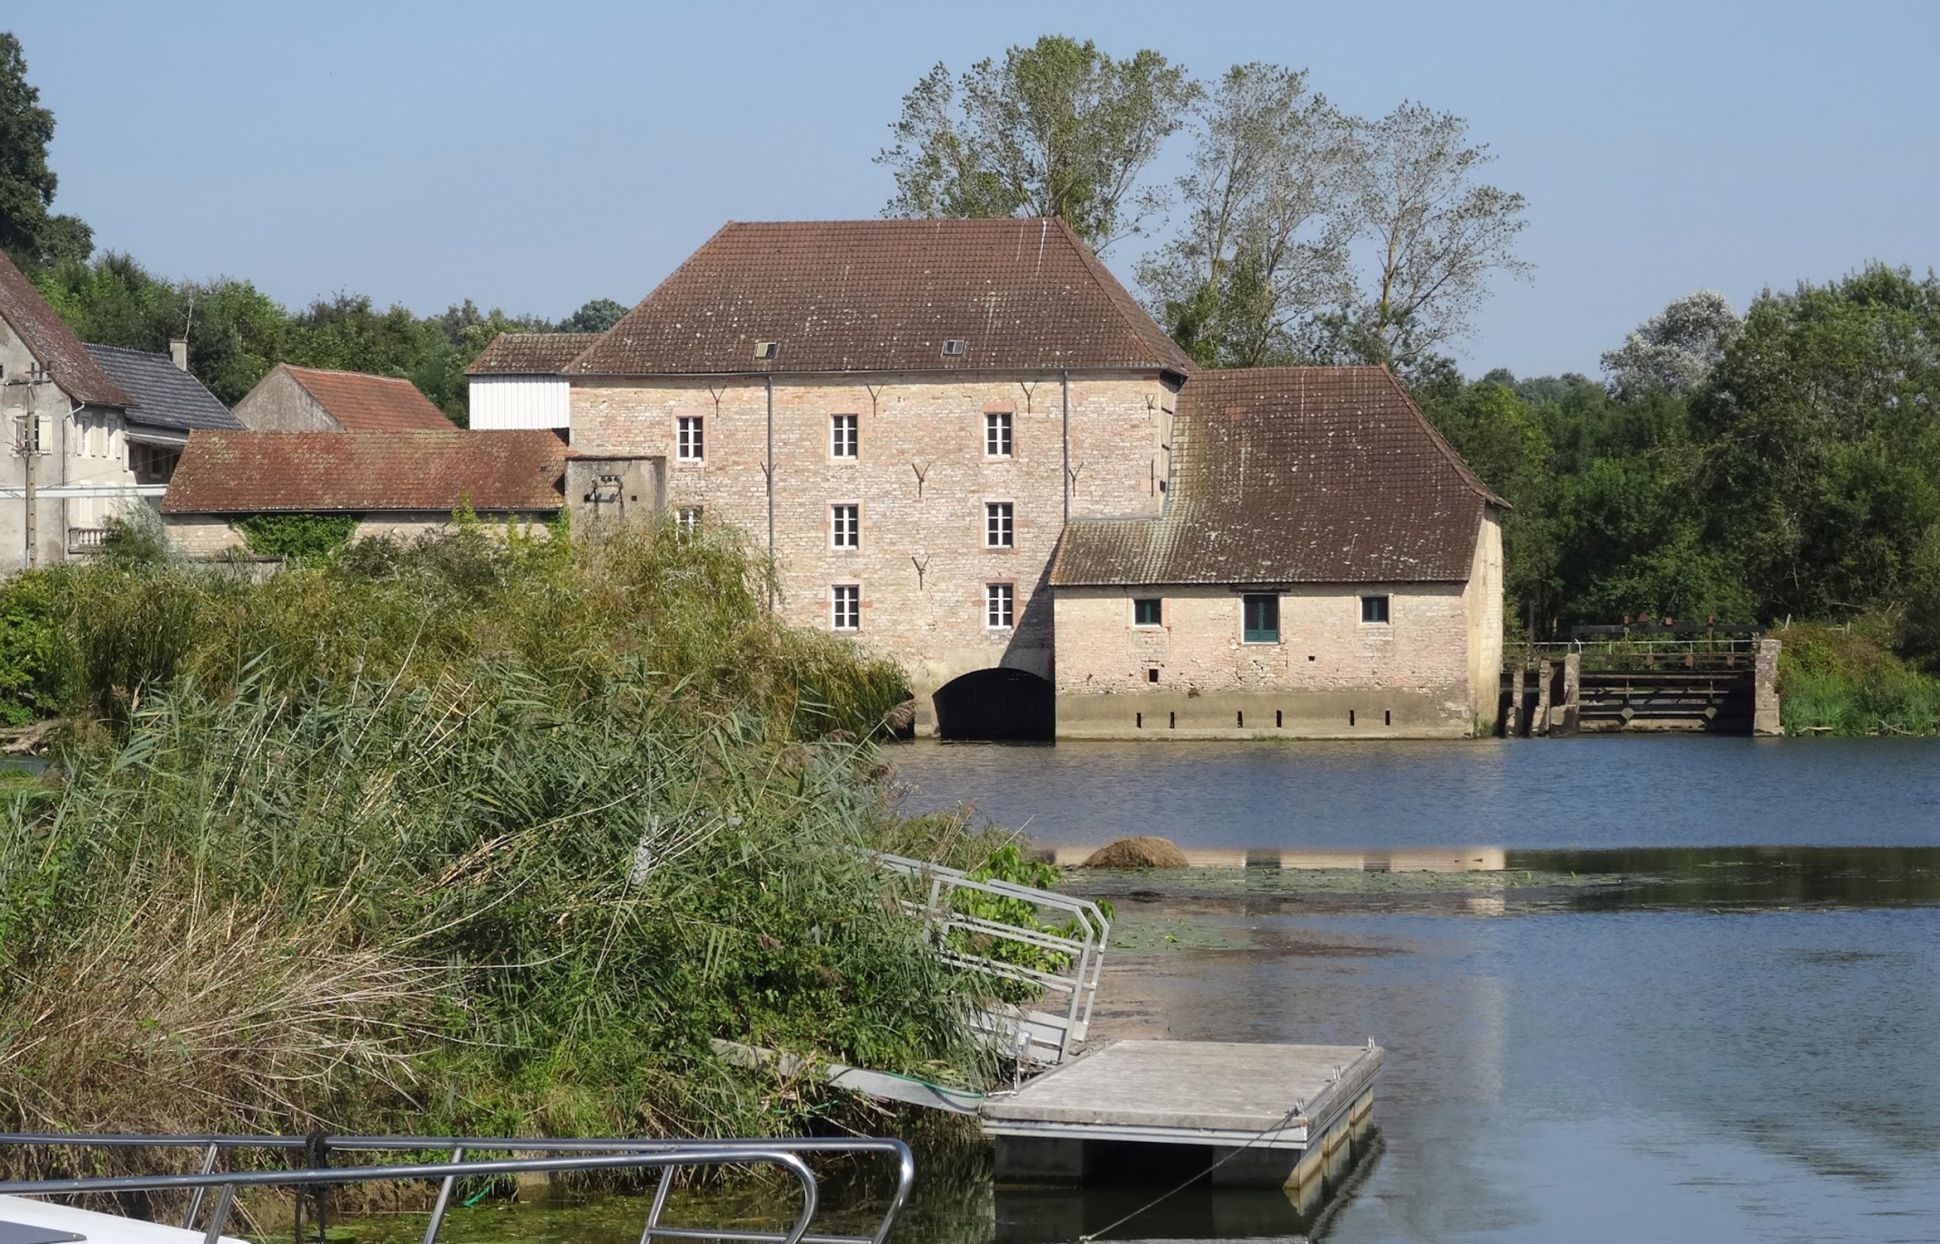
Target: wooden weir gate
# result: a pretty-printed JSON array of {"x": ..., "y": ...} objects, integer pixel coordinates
[{"x": 1643, "y": 678}]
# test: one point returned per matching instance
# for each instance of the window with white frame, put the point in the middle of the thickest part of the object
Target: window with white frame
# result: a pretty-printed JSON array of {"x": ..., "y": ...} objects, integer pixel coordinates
[
  {"x": 690, "y": 441},
  {"x": 999, "y": 605},
  {"x": 996, "y": 434},
  {"x": 843, "y": 436},
  {"x": 845, "y": 607},
  {"x": 687, "y": 521},
  {"x": 999, "y": 531},
  {"x": 845, "y": 526}
]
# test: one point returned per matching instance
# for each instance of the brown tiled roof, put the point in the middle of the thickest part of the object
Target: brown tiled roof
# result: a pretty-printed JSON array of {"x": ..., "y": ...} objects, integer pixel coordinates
[
  {"x": 1294, "y": 475},
  {"x": 363, "y": 403},
  {"x": 884, "y": 295},
  {"x": 52, "y": 343},
  {"x": 366, "y": 472},
  {"x": 529, "y": 354}
]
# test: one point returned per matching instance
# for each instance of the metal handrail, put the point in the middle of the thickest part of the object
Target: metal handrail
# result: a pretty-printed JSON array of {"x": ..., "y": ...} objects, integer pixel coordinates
[
  {"x": 1083, "y": 954},
  {"x": 589, "y": 1154}
]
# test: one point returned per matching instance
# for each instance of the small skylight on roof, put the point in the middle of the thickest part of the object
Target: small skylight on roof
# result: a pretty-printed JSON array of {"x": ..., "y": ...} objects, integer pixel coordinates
[
  {"x": 766, "y": 349},
  {"x": 955, "y": 347}
]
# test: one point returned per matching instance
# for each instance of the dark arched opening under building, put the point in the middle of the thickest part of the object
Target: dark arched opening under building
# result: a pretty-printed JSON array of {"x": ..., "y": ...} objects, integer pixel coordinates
[{"x": 996, "y": 704}]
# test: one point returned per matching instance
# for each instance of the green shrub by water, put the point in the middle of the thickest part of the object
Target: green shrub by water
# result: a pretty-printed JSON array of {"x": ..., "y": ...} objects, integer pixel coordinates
[{"x": 477, "y": 836}]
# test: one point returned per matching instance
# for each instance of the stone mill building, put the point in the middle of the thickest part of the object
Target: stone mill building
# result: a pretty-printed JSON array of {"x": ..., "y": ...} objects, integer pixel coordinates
[{"x": 964, "y": 443}]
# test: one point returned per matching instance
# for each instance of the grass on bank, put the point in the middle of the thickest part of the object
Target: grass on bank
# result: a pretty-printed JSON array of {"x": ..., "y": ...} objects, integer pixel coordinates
[
  {"x": 472, "y": 836},
  {"x": 1847, "y": 680}
]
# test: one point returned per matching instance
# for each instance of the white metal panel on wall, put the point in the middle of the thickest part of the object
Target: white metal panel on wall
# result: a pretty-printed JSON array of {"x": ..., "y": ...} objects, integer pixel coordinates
[{"x": 520, "y": 402}]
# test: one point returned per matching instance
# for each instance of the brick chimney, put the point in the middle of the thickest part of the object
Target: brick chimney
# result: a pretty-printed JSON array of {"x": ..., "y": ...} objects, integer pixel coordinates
[{"x": 178, "y": 350}]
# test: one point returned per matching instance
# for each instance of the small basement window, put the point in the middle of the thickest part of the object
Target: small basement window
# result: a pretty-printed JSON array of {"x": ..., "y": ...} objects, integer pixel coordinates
[
  {"x": 1260, "y": 619},
  {"x": 1146, "y": 611},
  {"x": 1374, "y": 609}
]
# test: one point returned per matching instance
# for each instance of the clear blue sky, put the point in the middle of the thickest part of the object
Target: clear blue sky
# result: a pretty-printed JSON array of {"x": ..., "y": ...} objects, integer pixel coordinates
[{"x": 535, "y": 155}]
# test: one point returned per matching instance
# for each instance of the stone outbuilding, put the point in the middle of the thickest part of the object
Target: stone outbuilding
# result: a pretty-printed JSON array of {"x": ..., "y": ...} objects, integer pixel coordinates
[
  {"x": 401, "y": 484},
  {"x": 1326, "y": 566}
]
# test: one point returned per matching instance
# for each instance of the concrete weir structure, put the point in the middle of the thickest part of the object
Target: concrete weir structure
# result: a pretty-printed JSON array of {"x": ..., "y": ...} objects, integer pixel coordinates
[{"x": 1253, "y": 1115}]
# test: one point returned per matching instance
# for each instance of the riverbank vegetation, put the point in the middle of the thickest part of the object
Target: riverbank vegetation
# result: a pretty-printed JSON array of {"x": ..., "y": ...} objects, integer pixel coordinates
[{"x": 481, "y": 835}]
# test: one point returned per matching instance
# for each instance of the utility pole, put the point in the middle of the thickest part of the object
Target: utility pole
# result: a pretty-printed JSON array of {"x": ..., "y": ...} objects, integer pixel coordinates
[
  {"x": 32, "y": 456},
  {"x": 26, "y": 443}
]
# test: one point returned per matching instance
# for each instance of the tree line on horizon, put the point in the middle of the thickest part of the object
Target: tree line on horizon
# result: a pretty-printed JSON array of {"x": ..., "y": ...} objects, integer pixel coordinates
[{"x": 1783, "y": 463}]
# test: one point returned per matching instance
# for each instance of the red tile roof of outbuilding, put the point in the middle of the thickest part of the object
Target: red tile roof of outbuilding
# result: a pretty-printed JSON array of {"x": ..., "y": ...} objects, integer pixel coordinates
[
  {"x": 885, "y": 295},
  {"x": 1294, "y": 475},
  {"x": 367, "y": 472},
  {"x": 366, "y": 403}
]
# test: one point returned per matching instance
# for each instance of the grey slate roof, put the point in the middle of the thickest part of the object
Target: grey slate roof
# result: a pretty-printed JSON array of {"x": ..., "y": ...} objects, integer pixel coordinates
[
  {"x": 1293, "y": 475},
  {"x": 163, "y": 395}
]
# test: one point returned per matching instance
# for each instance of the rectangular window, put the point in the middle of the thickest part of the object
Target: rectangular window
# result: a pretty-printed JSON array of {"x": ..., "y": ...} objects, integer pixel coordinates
[
  {"x": 996, "y": 434},
  {"x": 845, "y": 526},
  {"x": 845, "y": 607},
  {"x": 687, "y": 521},
  {"x": 1146, "y": 611},
  {"x": 998, "y": 531},
  {"x": 999, "y": 605},
  {"x": 1374, "y": 609},
  {"x": 1261, "y": 619},
  {"x": 842, "y": 436},
  {"x": 690, "y": 442}
]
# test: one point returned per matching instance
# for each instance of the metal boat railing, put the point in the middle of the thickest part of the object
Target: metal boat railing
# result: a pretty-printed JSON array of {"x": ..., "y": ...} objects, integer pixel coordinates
[
  {"x": 576, "y": 1155},
  {"x": 1075, "y": 961}
]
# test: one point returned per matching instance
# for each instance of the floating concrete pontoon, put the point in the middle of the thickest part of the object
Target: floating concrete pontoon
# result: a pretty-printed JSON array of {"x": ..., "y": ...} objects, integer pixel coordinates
[{"x": 1284, "y": 1108}]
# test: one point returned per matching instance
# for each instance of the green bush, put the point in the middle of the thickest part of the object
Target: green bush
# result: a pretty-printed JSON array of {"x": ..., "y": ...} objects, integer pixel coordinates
[
  {"x": 1848, "y": 680},
  {"x": 305, "y": 539},
  {"x": 36, "y": 666}
]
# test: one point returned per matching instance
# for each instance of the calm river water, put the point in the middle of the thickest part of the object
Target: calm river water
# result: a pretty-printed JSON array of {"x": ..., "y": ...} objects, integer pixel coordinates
[
  {"x": 1699, "y": 1000},
  {"x": 1706, "y": 1043}
]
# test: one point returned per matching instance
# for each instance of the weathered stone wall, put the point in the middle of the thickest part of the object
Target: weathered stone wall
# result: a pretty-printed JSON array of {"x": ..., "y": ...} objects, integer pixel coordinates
[
  {"x": 279, "y": 404},
  {"x": 213, "y": 535},
  {"x": 920, "y": 480},
  {"x": 1330, "y": 674},
  {"x": 1485, "y": 605},
  {"x": 615, "y": 490}
]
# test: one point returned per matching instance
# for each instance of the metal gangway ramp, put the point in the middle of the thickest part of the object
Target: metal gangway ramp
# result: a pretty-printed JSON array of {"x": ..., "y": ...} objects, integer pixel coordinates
[{"x": 1056, "y": 961}]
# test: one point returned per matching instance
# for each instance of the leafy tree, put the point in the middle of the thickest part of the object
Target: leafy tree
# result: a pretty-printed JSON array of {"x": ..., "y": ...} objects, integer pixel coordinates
[
  {"x": 1055, "y": 129},
  {"x": 1823, "y": 470},
  {"x": 595, "y": 316},
  {"x": 29, "y": 230},
  {"x": 1263, "y": 240},
  {"x": 1437, "y": 234},
  {"x": 1675, "y": 349}
]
